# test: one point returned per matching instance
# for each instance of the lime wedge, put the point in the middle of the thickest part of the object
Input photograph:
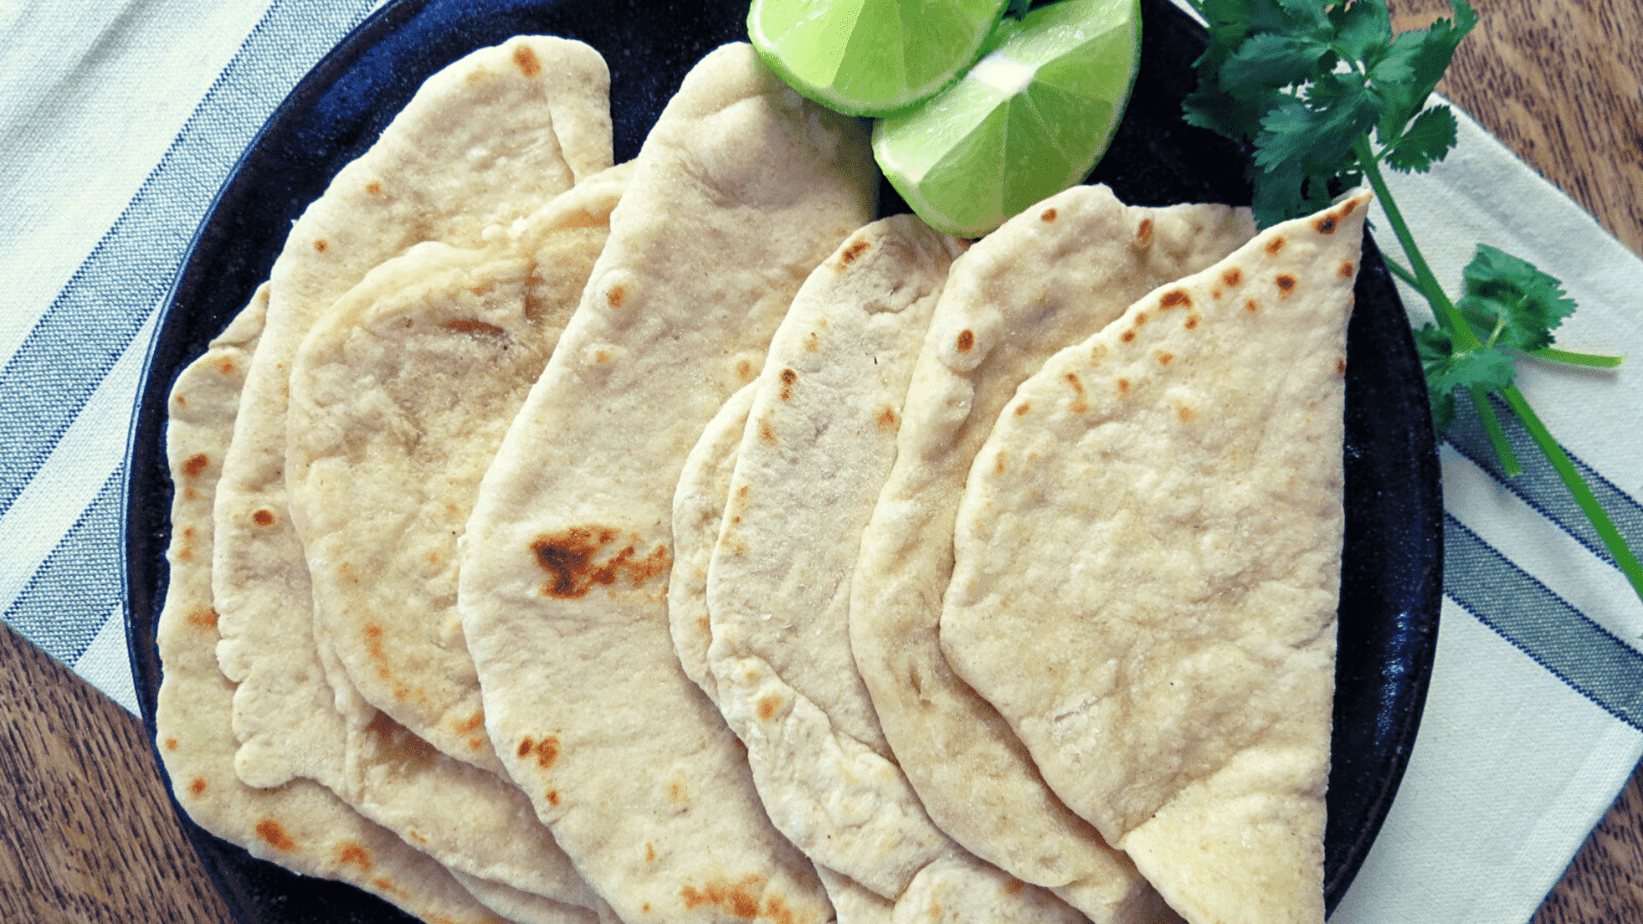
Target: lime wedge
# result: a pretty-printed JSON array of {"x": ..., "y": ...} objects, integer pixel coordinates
[
  {"x": 1030, "y": 119},
  {"x": 869, "y": 57}
]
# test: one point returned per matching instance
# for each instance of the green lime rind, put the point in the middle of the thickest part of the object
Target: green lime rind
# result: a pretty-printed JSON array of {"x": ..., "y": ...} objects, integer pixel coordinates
[
  {"x": 871, "y": 57},
  {"x": 1030, "y": 119}
]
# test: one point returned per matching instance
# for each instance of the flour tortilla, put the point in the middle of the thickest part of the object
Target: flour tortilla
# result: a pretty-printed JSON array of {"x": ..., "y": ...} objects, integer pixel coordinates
[
  {"x": 819, "y": 437},
  {"x": 400, "y": 395},
  {"x": 477, "y": 146},
  {"x": 1043, "y": 280},
  {"x": 741, "y": 188},
  {"x": 698, "y": 507},
  {"x": 421, "y": 364},
  {"x": 818, "y": 442},
  {"x": 1147, "y": 565},
  {"x": 301, "y": 826}
]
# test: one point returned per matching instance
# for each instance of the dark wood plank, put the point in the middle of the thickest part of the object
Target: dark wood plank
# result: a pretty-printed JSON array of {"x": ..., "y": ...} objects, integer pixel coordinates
[{"x": 87, "y": 831}]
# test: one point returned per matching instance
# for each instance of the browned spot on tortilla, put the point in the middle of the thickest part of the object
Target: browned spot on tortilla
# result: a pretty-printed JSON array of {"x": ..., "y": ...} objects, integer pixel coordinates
[
  {"x": 812, "y": 342},
  {"x": 1165, "y": 358},
  {"x": 546, "y": 750},
  {"x": 386, "y": 885},
  {"x": 1325, "y": 224},
  {"x": 1175, "y": 298},
  {"x": 524, "y": 58},
  {"x": 263, "y": 517},
  {"x": 1348, "y": 207},
  {"x": 205, "y": 618},
  {"x": 676, "y": 792},
  {"x": 1143, "y": 234},
  {"x": 375, "y": 648},
  {"x": 473, "y": 77},
  {"x": 1286, "y": 285},
  {"x": 849, "y": 254},
  {"x": 534, "y": 304},
  {"x": 998, "y": 464},
  {"x": 552, "y": 796},
  {"x": 482, "y": 287},
  {"x": 966, "y": 340},
  {"x": 1079, "y": 404},
  {"x": 615, "y": 296},
  {"x": 768, "y": 706},
  {"x": 1047, "y": 215},
  {"x": 171, "y": 744},
  {"x": 1275, "y": 245},
  {"x": 1185, "y": 413},
  {"x": 1014, "y": 886},
  {"x": 269, "y": 830},
  {"x": 321, "y": 244},
  {"x": 1348, "y": 269},
  {"x": 1251, "y": 305},
  {"x": 1215, "y": 293},
  {"x": 1022, "y": 409},
  {"x": 788, "y": 378},
  {"x": 569, "y": 556},
  {"x": 766, "y": 432},
  {"x": 197, "y": 785},
  {"x": 776, "y": 910},
  {"x": 1232, "y": 276},
  {"x": 350, "y": 852},
  {"x": 471, "y": 723},
  {"x": 373, "y": 188},
  {"x": 650, "y": 851},
  {"x": 195, "y": 465},
  {"x": 1127, "y": 336},
  {"x": 1340, "y": 366},
  {"x": 886, "y": 417},
  {"x": 601, "y": 356},
  {"x": 181, "y": 400},
  {"x": 469, "y": 326},
  {"x": 525, "y": 745},
  {"x": 645, "y": 907},
  {"x": 1191, "y": 322},
  {"x": 739, "y": 899},
  {"x": 744, "y": 370},
  {"x": 1140, "y": 318},
  {"x": 1123, "y": 386}
]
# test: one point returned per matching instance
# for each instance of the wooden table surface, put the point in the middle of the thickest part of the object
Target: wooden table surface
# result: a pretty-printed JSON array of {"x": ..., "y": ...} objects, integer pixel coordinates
[{"x": 87, "y": 833}]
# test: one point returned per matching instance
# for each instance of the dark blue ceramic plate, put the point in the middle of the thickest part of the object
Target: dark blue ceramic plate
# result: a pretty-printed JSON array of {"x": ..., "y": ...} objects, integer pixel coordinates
[{"x": 1392, "y": 580}]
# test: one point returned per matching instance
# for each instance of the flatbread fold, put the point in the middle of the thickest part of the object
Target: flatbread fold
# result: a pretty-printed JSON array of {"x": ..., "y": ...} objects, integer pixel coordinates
[
  {"x": 1044, "y": 279},
  {"x": 1154, "y": 525},
  {"x": 740, "y": 189},
  {"x": 302, "y": 826}
]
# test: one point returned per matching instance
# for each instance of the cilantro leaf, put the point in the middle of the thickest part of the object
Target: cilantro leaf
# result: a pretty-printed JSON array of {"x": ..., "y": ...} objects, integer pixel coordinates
[
  {"x": 1426, "y": 140},
  {"x": 1407, "y": 73},
  {"x": 1273, "y": 61},
  {"x": 1524, "y": 304},
  {"x": 1448, "y": 371},
  {"x": 1361, "y": 27}
]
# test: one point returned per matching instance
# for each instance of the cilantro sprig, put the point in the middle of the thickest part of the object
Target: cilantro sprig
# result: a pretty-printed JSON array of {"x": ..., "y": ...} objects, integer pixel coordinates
[{"x": 1329, "y": 97}]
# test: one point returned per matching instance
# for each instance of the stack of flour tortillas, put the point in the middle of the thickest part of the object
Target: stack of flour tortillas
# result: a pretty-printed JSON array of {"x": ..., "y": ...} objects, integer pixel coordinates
[{"x": 671, "y": 541}]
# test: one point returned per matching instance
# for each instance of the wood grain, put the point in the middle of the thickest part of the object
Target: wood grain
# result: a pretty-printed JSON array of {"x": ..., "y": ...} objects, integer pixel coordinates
[{"x": 89, "y": 834}]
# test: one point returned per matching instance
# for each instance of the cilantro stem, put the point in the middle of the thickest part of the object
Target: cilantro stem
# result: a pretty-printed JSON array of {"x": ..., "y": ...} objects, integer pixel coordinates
[
  {"x": 1591, "y": 360},
  {"x": 1612, "y": 539},
  {"x": 1422, "y": 278}
]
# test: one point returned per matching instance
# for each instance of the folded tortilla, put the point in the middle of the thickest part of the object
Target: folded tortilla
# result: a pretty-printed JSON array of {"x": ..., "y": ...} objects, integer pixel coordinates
[
  {"x": 301, "y": 826},
  {"x": 478, "y": 146},
  {"x": 741, "y": 188},
  {"x": 1045, "y": 279},
  {"x": 1147, "y": 567}
]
